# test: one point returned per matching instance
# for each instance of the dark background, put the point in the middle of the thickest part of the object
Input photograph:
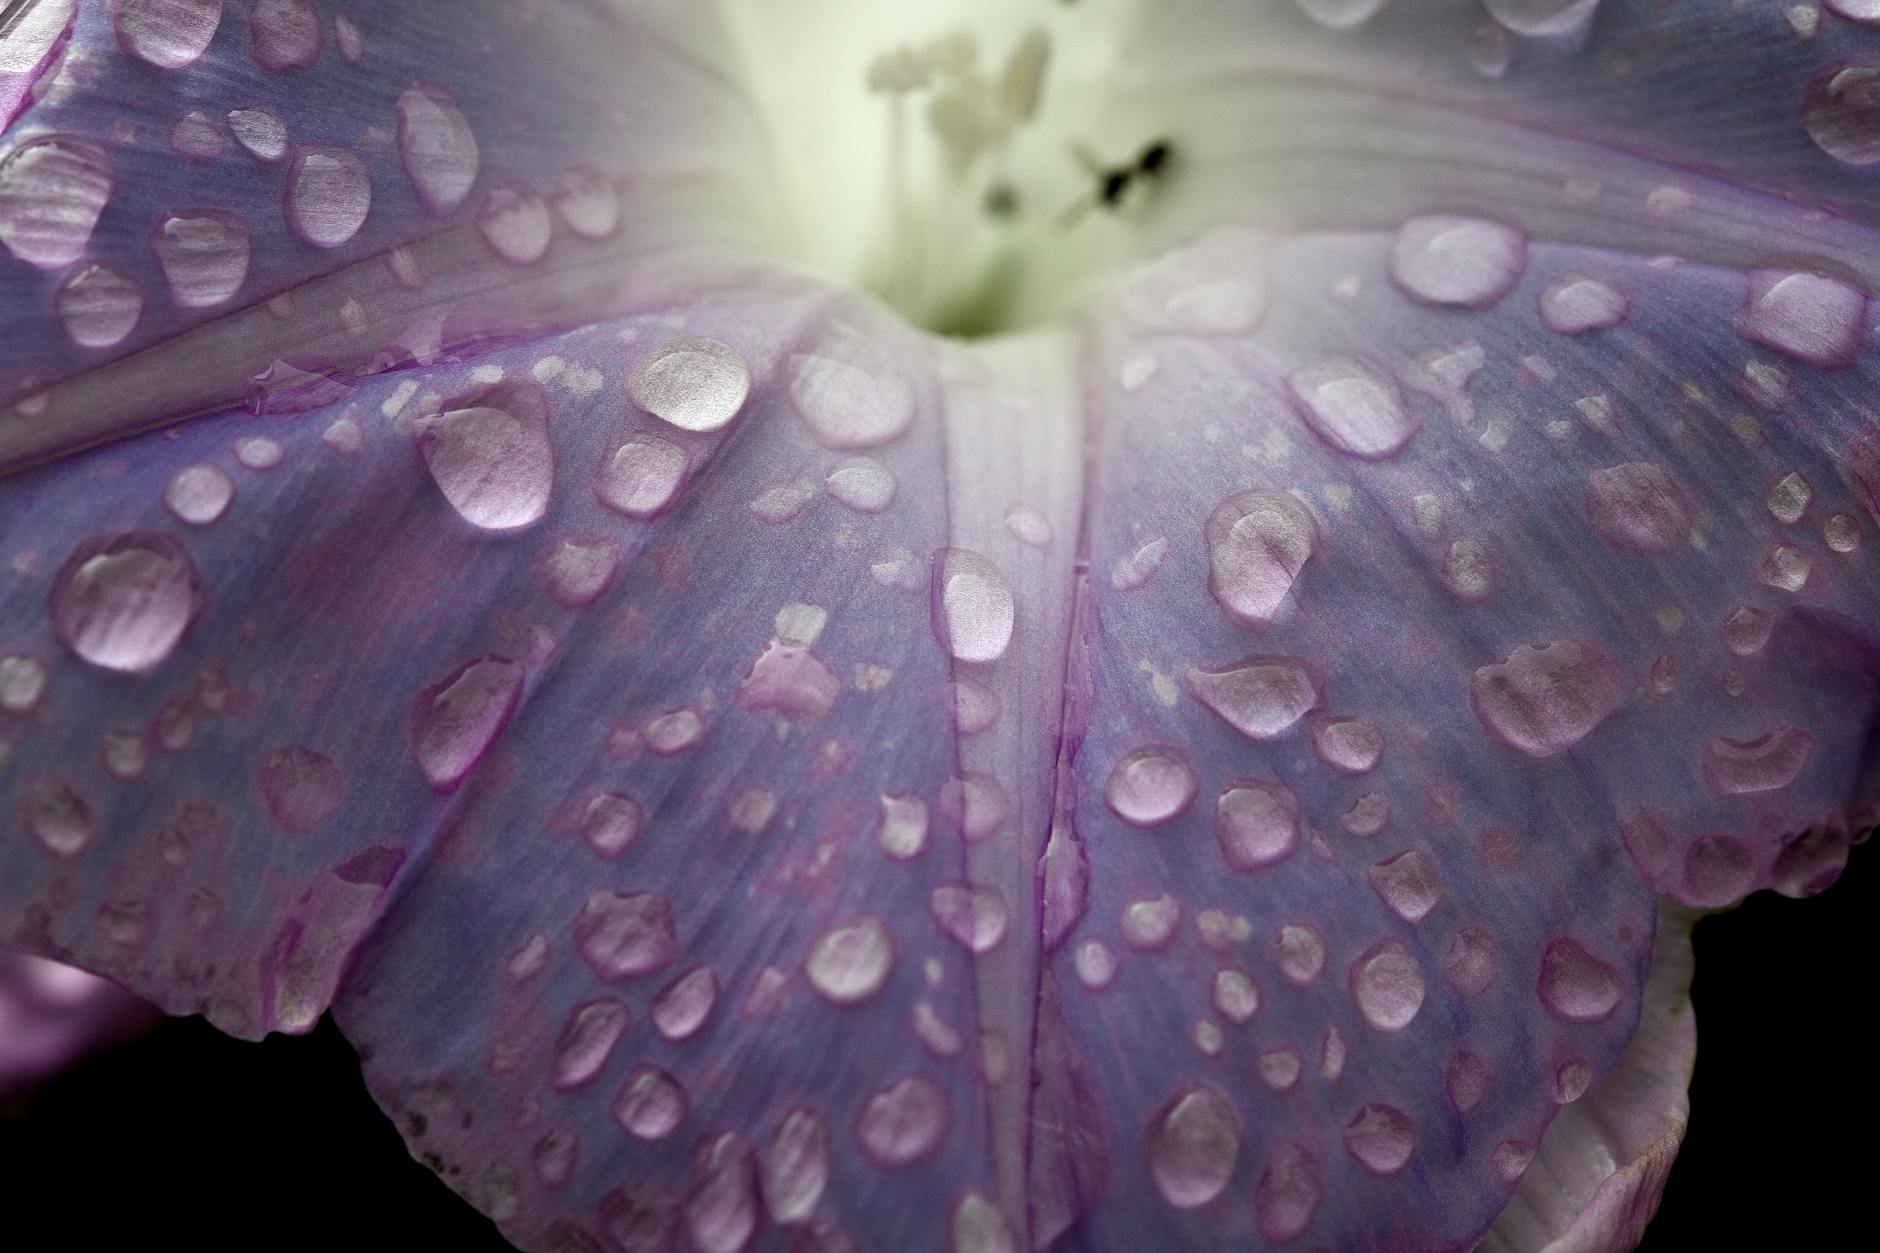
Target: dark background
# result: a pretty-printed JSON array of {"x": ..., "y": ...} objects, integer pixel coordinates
[{"x": 188, "y": 1139}]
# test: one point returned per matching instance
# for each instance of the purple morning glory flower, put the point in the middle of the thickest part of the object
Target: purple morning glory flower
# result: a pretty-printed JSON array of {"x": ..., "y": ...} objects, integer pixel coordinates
[{"x": 978, "y": 627}]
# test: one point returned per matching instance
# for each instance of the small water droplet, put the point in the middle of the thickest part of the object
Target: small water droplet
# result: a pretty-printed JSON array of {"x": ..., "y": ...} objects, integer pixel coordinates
[
  {"x": 1381, "y": 1137},
  {"x": 1577, "y": 304},
  {"x": 1256, "y": 823},
  {"x": 60, "y": 818},
  {"x": 586, "y": 1042},
  {"x": 1576, "y": 986},
  {"x": 861, "y": 483},
  {"x": 300, "y": 788},
  {"x": 123, "y": 604},
  {"x": 1408, "y": 883},
  {"x": 439, "y": 148},
  {"x": 198, "y": 494},
  {"x": 793, "y": 1167},
  {"x": 1096, "y": 964},
  {"x": 168, "y": 34},
  {"x": 1280, "y": 1067},
  {"x": 1257, "y": 545},
  {"x": 1193, "y": 1145},
  {"x": 99, "y": 306},
  {"x": 1348, "y": 745},
  {"x": 1137, "y": 566},
  {"x": 651, "y": 1103},
  {"x": 674, "y": 731},
  {"x": 1354, "y": 406},
  {"x": 1151, "y": 922},
  {"x": 1149, "y": 786},
  {"x": 516, "y": 225},
  {"x": 980, "y": 1227},
  {"x": 1388, "y": 986},
  {"x": 975, "y": 707},
  {"x": 903, "y": 831},
  {"x": 642, "y": 477},
  {"x": 587, "y": 204},
  {"x": 1340, "y": 14},
  {"x": 693, "y": 383},
  {"x": 52, "y": 191},
  {"x": 490, "y": 455},
  {"x": 1299, "y": 952},
  {"x": 1028, "y": 526},
  {"x": 624, "y": 935},
  {"x": 682, "y": 1006},
  {"x": 610, "y": 822},
  {"x": 284, "y": 34},
  {"x": 1542, "y": 17},
  {"x": 903, "y": 1123},
  {"x": 578, "y": 571},
  {"x": 851, "y": 398},
  {"x": 1788, "y": 498},
  {"x": 1262, "y": 697},
  {"x": 850, "y": 962},
  {"x": 454, "y": 722},
  {"x": 973, "y": 611},
  {"x": 260, "y": 131},
  {"x": 1447, "y": 260},
  {"x": 1236, "y": 997},
  {"x": 973, "y": 914},
  {"x": 329, "y": 195},
  {"x": 1544, "y": 700},
  {"x": 22, "y": 684}
]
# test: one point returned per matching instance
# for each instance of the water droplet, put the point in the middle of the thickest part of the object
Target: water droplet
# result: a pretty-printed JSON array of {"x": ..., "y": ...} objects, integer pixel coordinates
[
  {"x": 22, "y": 683},
  {"x": 1387, "y": 985},
  {"x": 197, "y": 135},
  {"x": 973, "y": 608},
  {"x": 454, "y": 722},
  {"x": 674, "y": 731},
  {"x": 516, "y": 225},
  {"x": 1348, "y": 745},
  {"x": 1765, "y": 764},
  {"x": 1193, "y": 1144},
  {"x": 1261, "y": 697},
  {"x": 861, "y": 483},
  {"x": 850, "y": 962},
  {"x": 1638, "y": 507},
  {"x": 198, "y": 494},
  {"x": 1446, "y": 260},
  {"x": 1235, "y": 996},
  {"x": 587, "y": 204},
  {"x": 1354, "y": 406},
  {"x": 853, "y": 399},
  {"x": 642, "y": 477},
  {"x": 1256, "y": 823},
  {"x": 792, "y": 681},
  {"x": 1469, "y": 962},
  {"x": 1257, "y": 545},
  {"x": 1785, "y": 568},
  {"x": 578, "y": 571},
  {"x": 975, "y": 707},
  {"x": 300, "y": 788},
  {"x": 1096, "y": 964},
  {"x": 1150, "y": 923},
  {"x": 1299, "y": 952},
  {"x": 1340, "y": 14},
  {"x": 1818, "y": 321},
  {"x": 1280, "y": 1067},
  {"x": 1577, "y": 304},
  {"x": 625, "y": 935},
  {"x": 980, "y": 1227},
  {"x": 51, "y": 193},
  {"x": 439, "y": 148},
  {"x": 651, "y": 1103},
  {"x": 793, "y": 1167},
  {"x": 683, "y": 1005},
  {"x": 971, "y": 913},
  {"x": 1137, "y": 566},
  {"x": 1746, "y": 631},
  {"x": 284, "y": 34},
  {"x": 903, "y": 831},
  {"x": 1028, "y": 526},
  {"x": 693, "y": 383},
  {"x": 60, "y": 818},
  {"x": 1149, "y": 786},
  {"x": 99, "y": 306},
  {"x": 1788, "y": 498},
  {"x": 123, "y": 604},
  {"x": 1380, "y": 1137},
  {"x": 329, "y": 195},
  {"x": 610, "y": 822},
  {"x": 1545, "y": 700},
  {"x": 1576, "y": 986},
  {"x": 490, "y": 456},
  {"x": 785, "y": 501},
  {"x": 903, "y": 1123},
  {"x": 1408, "y": 883},
  {"x": 721, "y": 1213},
  {"x": 1841, "y": 533},
  {"x": 168, "y": 34},
  {"x": 260, "y": 131},
  {"x": 1542, "y": 17},
  {"x": 586, "y": 1042},
  {"x": 1842, "y": 114}
]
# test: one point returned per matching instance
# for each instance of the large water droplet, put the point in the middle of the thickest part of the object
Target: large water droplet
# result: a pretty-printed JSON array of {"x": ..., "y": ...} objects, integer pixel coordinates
[
  {"x": 439, "y": 148},
  {"x": 1387, "y": 985},
  {"x": 1257, "y": 544},
  {"x": 851, "y": 398},
  {"x": 903, "y": 1123},
  {"x": 1149, "y": 786},
  {"x": 454, "y": 722},
  {"x": 587, "y": 1040},
  {"x": 624, "y": 935},
  {"x": 973, "y": 608},
  {"x": 123, "y": 604},
  {"x": 1193, "y": 1144},
  {"x": 694, "y": 383},
  {"x": 1842, "y": 114},
  {"x": 1545, "y": 700},
  {"x": 642, "y": 477},
  {"x": 651, "y": 1103},
  {"x": 1765, "y": 764},
  {"x": 1576, "y": 986},
  {"x": 300, "y": 788},
  {"x": 849, "y": 963},
  {"x": 99, "y": 306},
  {"x": 1447, "y": 260},
  {"x": 51, "y": 193},
  {"x": 167, "y": 33},
  {"x": 1288, "y": 1192},
  {"x": 793, "y": 1167},
  {"x": 1256, "y": 823},
  {"x": 204, "y": 256},
  {"x": 491, "y": 457},
  {"x": 1261, "y": 697},
  {"x": 1816, "y": 320},
  {"x": 329, "y": 195},
  {"x": 1354, "y": 406}
]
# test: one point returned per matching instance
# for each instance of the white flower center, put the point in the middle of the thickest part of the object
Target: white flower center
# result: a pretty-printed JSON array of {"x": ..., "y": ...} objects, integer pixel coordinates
[{"x": 972, "y": 163}]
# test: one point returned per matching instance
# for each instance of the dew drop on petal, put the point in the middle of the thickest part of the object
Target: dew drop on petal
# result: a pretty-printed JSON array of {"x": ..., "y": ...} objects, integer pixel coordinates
[
  {"x": 1257, "y": 545},
  {"x": 1340, "y": 14},
  {"x": 1256, "y": 823},
  {"x": 1544, "y": 700},
  {"x": 793, "y": 1167},
  {"x": 60, "y": 818},
  {"x": 578, "y": 571},
  {"x": 260, "y": 131},
  {"x": 22, "y": 683},
  {"x": 491, "y": 457},
  {"x": 516, "y": 225},
  {"x": 1354, "y": 406},
  {"x": 1236, "y": 998},
  {"x": 1149, "y": 786},
  {"x": 52, "y": 191},
  {"x": 99, "y": 306},
  {"x": 1408, "y": 883},
  {"x": 1815, "y": 320},
  {"x": 623, "y": 935},
  {"x": 1150, "y": 923},
  {"x": 1867, "y": 11},
  {"x": 651, "y": 1103},
  {"x": 1469, "y": 962},
  {"x": 1542, "y": 17},
  {"x": 1381, "y": 1137},
  {"x": 300, "y": 788},
  {"x": 1288, "y": 1193},
  {"x": 975, "y": 707},
  {"x": 721, "y": 1206},
  {"x": 610, "y": 822},
  {"x": 1193, "y": 1145},
  {"x": 1280, "y": 1067},
  {"x": 1095, "y": 963},
  {"x": 587, "y": 1040},
  {"x": 1746, "y": 631},
  {"x": 902, "y": 1123},
  {"x": 1577, "y": 304},
  {"x": 693, "y": 383},
  {"x": 682, "y": 1006},
  {"x": 1028, "y": 526},
  {"x": 642, "y": 477},
  {"x": 850, "y": 962},
  {"x": 1767, "y": 763},
  {"x": 329, "y": 195},
  {"x": 973, "y": 608},
  {"x": 850, "y": 404},
  {"x": 1137, "y": 566},
  {"x": 903, "y": 831},
  {"x": 1842, "y": 110},
  {"x": 1446, "y": 260},
  {"x": 1348, "y": 745},
  {"x": 198, "y": 493},
  {"x": 439, "y": 148},
  {"x": 674, "y": 731},
  {"x": 1388, "y": 986},
  {"x": 1299, "y": 952},
  {"x": 284, "y": 34},
  {"x": 587, "y": 204},
  {"x": 204, "y": 257},
  {"x": 1576, "y": 986},
  {"x": 168, "y": 34},
  {"x": 1262, "y": 697},
  {"x": 197, "y": 135},
  {"x": 454, "y": 722},
  {"x": 861, "y": 483},
  {"x": 972, "y": 914},
  {"x": 123, "y": 604}
]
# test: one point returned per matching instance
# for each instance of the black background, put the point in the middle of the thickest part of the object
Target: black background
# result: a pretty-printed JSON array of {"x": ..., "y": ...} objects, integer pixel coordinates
[{"x": 188, "y": 1139}]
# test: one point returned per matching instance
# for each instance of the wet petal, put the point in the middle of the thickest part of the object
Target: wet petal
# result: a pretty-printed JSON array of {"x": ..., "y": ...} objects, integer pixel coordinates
[{"x": 53, "y": 1015}]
